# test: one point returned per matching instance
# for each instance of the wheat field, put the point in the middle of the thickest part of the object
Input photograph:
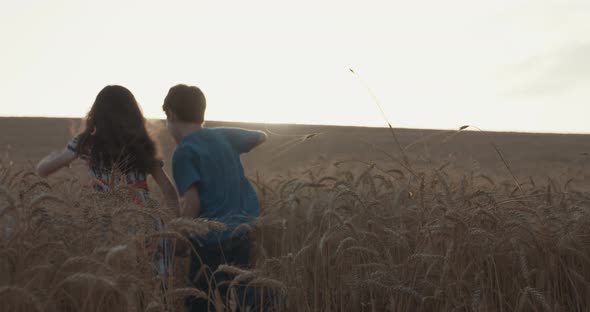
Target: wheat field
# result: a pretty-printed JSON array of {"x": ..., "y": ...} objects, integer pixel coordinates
[{"x": 354, "y": 230}]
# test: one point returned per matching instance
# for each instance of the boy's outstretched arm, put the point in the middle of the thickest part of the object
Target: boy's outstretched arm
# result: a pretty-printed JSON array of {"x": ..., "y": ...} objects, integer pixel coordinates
[
  {"x": 245, "y": 140},
  {"x": 55, "y": 161},
  {"x": 263, "y": 137}
]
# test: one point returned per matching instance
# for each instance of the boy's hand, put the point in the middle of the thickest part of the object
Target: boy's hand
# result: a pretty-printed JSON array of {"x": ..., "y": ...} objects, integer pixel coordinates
[
  {"x": 192, "y": 203},
  {"x": 183, "y": 247},
  {"x": 262, "y": 139}
]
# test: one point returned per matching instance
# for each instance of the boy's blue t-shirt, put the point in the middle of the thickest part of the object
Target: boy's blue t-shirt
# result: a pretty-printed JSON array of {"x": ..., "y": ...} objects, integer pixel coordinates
[{"x": 210, "y": 159}]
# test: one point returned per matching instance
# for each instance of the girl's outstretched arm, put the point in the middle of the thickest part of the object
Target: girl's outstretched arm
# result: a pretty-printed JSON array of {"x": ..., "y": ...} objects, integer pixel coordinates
[
  {"x": 55, "y": 161},
  {"x": 170, "y": 194}
]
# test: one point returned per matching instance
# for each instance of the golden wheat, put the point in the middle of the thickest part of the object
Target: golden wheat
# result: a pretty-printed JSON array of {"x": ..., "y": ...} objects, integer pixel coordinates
[{"x": 348, "y": 241}]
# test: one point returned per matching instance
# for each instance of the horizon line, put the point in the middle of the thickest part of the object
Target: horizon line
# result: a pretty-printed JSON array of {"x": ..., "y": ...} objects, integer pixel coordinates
[{"x": 332, "y": 125}]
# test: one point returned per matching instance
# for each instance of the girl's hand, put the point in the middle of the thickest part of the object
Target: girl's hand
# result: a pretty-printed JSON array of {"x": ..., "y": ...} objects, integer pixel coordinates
[
  {"x": 167, "y": 188},
  {"x": 182, "y": 247}
]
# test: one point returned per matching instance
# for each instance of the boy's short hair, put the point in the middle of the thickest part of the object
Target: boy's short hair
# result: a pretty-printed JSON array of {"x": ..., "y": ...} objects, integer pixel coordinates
[{"x": 188, "y": 103}]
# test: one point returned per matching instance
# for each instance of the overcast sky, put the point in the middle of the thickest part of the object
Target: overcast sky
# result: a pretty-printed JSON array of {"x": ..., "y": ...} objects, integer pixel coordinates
[{"x": 500, "y": 65}]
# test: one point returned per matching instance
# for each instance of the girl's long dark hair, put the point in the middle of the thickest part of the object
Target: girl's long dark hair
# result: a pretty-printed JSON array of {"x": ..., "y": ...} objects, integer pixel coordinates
[{"x": 115, "y": 135}]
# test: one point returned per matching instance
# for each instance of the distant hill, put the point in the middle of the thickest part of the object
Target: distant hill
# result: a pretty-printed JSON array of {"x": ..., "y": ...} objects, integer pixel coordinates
[{"x": 293, "y": 147}]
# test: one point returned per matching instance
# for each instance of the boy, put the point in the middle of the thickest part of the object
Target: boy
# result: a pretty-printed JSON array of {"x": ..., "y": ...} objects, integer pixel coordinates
[{"x": 209, "y": 176}]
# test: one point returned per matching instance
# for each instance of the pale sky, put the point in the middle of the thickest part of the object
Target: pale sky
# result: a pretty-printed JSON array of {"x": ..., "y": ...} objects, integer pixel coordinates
[{"x": 500, "y": 65}]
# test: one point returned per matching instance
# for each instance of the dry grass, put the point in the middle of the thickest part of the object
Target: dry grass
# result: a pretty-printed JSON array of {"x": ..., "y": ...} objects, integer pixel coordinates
[
  {"x": 435, "y": 243},
  {"x": 356, "y": 240},
  {"x": 347, "y": 235}
]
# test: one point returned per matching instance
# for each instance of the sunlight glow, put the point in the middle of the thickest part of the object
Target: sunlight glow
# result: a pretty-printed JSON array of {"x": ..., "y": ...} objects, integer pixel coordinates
[{"x": 502, "y": 65}]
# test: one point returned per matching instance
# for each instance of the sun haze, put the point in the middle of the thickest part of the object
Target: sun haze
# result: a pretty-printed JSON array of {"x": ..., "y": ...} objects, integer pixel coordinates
[{"x": 501, "y": 65}]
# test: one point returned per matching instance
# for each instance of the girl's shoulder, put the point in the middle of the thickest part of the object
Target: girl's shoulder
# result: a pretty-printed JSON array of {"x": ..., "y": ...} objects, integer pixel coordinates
[{"x": 73, "y": 145}]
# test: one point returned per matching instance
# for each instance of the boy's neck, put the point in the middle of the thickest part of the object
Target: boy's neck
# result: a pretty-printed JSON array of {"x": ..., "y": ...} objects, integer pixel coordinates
[{"x": 185, "y": 129}]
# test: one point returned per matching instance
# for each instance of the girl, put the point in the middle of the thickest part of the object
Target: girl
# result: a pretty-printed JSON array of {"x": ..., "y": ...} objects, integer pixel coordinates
[{"x": 118, "y": 151}]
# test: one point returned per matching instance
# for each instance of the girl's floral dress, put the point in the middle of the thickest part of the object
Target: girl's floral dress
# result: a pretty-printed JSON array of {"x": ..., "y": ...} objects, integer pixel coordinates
[{"x": 103, "y": 180}]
